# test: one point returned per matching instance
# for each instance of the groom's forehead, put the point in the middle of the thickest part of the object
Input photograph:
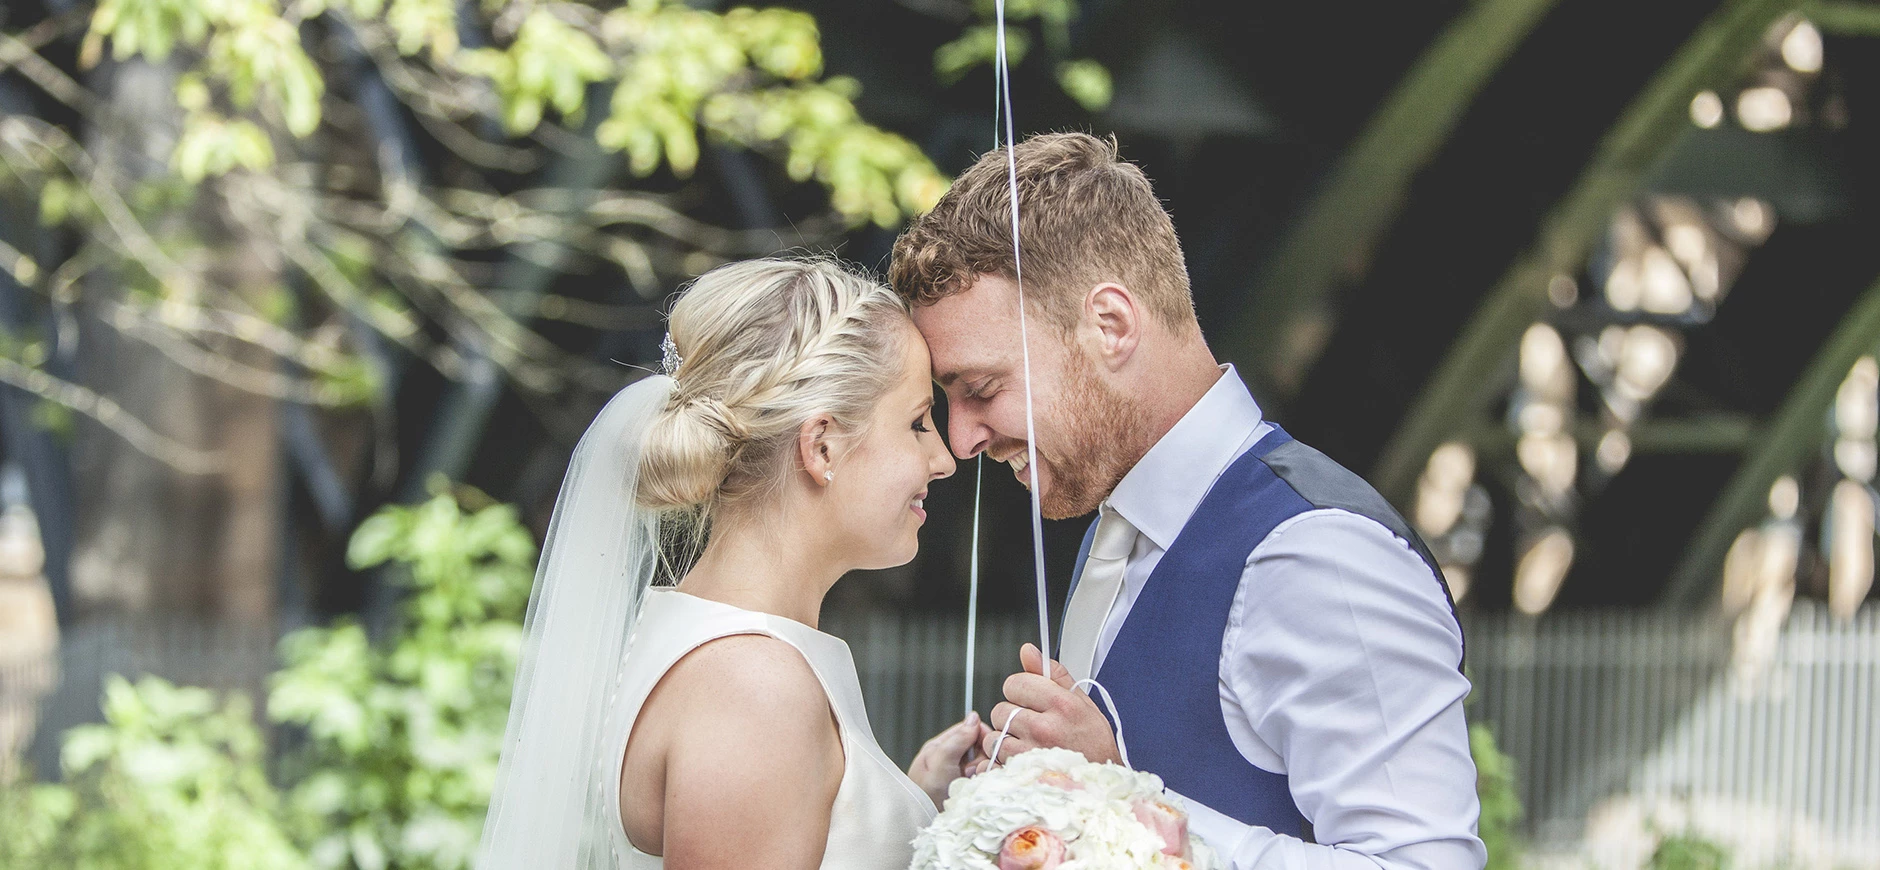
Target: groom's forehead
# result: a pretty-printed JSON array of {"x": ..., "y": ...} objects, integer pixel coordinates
[{"x": 968, "y": 358}]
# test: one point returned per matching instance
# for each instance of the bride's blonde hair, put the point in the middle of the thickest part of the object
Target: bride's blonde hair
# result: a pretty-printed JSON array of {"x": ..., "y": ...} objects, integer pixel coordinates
[{"x": 765, "y": 345}]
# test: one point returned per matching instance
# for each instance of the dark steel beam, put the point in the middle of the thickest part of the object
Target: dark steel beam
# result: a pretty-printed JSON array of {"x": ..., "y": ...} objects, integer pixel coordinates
[
  {"x": 1845, "y": 18},
  {"x": 1361, "y": 196},
  {"x": 1798, "y": 430},
  {"x": 1459, "y": 393},
  {"x": 1704, "y": 433}
]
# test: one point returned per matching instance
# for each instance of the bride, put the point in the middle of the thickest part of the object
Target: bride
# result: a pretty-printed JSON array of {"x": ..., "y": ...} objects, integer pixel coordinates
[{"x": 709, "y": 724}]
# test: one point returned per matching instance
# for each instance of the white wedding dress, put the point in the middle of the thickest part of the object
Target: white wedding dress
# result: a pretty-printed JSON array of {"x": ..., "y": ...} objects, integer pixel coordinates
[{"x": 877, "y": 811}]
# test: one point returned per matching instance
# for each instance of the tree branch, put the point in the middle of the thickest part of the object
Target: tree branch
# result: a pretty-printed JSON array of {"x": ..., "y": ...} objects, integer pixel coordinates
[{"x": 109, "y": 414}]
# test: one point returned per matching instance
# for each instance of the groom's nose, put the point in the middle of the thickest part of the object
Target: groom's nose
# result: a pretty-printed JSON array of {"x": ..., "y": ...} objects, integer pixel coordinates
[{"x": 967, "y": 434}]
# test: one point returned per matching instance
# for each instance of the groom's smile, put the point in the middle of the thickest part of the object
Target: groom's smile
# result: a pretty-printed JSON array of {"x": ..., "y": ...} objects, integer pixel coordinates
[
  {"x": 1019, "y": 463},
  {"x": 973, "y": 339}
]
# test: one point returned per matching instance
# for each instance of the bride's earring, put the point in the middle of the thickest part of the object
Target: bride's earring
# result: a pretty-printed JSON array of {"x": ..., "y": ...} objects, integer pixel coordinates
[{"x": 829, "y": 477}]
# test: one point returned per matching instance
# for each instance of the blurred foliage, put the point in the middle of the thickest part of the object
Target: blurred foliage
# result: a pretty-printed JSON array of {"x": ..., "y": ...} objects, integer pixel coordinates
[
  {"x": 170, "y": 780},
  {"x": 1688, "y": 852},
  {"x": 290, "y": 147},
  {"x": 1082, "y": 79},
  {"x": 1501, "y": 803},
  {"x": 403, "y": 737},
  {"x": 669, "y": 62}
]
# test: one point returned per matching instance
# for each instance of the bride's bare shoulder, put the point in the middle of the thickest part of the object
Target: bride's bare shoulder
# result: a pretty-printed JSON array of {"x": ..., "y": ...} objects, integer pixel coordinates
[
  {"x": 755, "y": 673},
  {"x": 746, "y": 742}
]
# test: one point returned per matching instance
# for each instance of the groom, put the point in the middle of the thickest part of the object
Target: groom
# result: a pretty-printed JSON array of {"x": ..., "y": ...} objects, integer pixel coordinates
[{"x": 1281, "y": 647}]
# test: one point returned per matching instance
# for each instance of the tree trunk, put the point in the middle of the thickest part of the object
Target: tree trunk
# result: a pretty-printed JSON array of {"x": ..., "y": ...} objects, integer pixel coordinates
[{"x": 152, "y": 537}]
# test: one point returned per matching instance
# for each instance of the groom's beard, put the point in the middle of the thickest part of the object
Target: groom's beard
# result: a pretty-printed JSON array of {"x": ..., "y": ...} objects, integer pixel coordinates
[{"x": 1097, "y": 430}]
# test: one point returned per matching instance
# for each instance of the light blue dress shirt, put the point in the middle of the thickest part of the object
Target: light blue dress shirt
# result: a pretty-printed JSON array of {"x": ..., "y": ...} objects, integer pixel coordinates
[{"x": 1338, "y": 667}]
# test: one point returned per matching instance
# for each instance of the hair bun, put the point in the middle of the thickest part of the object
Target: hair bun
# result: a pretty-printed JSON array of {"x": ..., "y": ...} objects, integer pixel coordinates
[
  {"x": 688, "y": 451},
  {"x": 719, "y": 416},
  {"x": 767, "y": 345}
]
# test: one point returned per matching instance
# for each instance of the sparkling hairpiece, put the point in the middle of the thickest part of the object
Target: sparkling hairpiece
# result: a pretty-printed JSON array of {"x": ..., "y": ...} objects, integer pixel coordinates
[{"x": 669, "y": 359}]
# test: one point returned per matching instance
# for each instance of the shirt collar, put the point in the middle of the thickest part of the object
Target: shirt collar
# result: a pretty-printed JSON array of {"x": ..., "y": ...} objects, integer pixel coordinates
[{"x": 1159, "y": 494}]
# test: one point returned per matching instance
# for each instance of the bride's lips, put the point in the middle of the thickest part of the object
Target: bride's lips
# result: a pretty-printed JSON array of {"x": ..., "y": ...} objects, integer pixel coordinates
[{"x": 919, "y": 506}]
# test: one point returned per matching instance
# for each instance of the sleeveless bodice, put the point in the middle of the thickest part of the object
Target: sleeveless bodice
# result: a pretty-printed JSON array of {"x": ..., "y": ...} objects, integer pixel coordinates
[{"x": 877, "y": 810}]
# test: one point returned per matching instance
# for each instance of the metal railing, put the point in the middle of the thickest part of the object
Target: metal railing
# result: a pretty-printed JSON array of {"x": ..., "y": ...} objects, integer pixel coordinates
[
  {"x": 220, "y": 655},
  {"x": 1616, "y": 721},
  {"x": 1619, "y": 723}
]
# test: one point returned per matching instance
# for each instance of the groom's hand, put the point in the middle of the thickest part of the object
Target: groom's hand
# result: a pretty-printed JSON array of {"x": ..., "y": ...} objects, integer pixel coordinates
[{"x": 1050, "y": 714}]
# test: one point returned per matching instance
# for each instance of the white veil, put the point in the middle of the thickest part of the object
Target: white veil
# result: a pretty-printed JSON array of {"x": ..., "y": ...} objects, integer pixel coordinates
[{"x": 550, "y": 807}]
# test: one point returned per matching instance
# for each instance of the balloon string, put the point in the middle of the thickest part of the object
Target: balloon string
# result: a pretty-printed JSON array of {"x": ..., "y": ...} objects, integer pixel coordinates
[
  {"x": 1003, "y": 102},
  {"x": 972, "y": 594},
  {"x": 1122, "y": 749}
]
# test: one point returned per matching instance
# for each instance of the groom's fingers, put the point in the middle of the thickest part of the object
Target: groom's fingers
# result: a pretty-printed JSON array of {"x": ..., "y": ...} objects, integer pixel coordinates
[
  {"x": 1034, "y": 692},
  {"x": 1013, "y": 745},
  {"x": 1051, "y": 714},
  {"x": 1029, "y": 729},
  {"x": 1028, "y": 657}
]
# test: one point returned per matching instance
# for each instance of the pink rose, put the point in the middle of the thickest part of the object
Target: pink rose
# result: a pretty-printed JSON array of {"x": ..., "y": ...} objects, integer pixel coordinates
[
  {"x": 1061, "y": 780},
  {"x": 1167, "y": 822},
  {"x": 1031, "y": 848}
]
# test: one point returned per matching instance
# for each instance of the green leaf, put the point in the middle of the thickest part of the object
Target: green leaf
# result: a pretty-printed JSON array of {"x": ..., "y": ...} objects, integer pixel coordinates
[
  {"x": 1087, "y": 82},
  {"x": 85, "y": 746},
  {"x": 55, "y": 202},
  {"x": 377, "y": 540},
  {"x": 192, "y": 94},
  {"x": 978, "y": 45},
  {"x": 420, "y": 23}
]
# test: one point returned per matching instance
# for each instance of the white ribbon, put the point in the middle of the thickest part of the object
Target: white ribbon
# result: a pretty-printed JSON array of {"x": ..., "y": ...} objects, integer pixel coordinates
[
  {"x": 1003, "y": 101},
  {"x": 972, "y": 585},
  {"x": 1002, "y": 112},
  {"x": 1116, "y": 717}
]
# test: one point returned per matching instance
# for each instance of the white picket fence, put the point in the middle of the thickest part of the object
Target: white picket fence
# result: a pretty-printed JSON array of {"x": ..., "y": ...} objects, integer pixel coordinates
[
  {"x": 1631, "y": 721},
  {"x": 225, "y": 656},
  {"x": 1616, "y": 721}
]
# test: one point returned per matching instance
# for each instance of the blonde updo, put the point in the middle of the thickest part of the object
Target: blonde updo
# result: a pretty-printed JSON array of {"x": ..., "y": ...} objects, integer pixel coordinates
[{"x": 765, "y": 345}]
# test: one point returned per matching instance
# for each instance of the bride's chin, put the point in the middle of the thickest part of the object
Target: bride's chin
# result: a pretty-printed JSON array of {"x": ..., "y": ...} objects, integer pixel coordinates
[{"x": 900, "y": 555}]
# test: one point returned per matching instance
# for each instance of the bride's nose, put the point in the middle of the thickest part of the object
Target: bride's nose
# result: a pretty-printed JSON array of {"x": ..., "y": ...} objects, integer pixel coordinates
[{"x": 940, "y": 463}]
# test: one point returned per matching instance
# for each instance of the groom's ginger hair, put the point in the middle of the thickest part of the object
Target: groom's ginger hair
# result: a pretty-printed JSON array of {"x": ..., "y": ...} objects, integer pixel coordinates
[{"x": 1085, "y": 215}]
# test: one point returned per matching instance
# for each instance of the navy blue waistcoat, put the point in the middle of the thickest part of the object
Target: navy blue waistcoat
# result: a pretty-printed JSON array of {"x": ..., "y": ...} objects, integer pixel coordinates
[{"x": 1163, "y": 670}]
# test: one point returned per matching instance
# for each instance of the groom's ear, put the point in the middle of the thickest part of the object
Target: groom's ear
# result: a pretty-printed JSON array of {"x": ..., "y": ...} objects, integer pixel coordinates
[
  {"x": 814, "y": 450},
  {"x": 1113, "y": 322}
]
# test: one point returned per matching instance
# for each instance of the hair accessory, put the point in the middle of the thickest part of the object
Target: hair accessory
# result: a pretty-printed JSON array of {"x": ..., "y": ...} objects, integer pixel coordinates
[{"x": 669, "y": 359}]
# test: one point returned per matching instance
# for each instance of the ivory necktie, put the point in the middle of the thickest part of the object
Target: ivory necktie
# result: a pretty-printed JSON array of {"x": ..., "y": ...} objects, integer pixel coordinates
[{"x": 1096, "y": 592}]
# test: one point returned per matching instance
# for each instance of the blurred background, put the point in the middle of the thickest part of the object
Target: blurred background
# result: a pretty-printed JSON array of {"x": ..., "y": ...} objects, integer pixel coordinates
[{"x": 304, "y": 303}]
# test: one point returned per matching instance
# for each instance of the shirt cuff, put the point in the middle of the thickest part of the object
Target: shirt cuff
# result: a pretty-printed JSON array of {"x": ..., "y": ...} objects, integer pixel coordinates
[{"x": 1223, "y": 833}]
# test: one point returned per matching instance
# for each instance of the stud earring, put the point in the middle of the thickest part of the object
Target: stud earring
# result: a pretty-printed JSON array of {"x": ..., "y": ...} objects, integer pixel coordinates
[{"x": 829, "y": 476}]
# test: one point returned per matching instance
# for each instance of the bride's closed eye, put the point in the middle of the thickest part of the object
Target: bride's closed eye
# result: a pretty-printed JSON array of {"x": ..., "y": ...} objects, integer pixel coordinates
[{"x": 920, "y": 425}]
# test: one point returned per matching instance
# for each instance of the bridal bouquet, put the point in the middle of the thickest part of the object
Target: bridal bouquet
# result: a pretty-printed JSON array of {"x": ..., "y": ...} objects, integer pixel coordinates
[{"x": 1049, "y": 809}]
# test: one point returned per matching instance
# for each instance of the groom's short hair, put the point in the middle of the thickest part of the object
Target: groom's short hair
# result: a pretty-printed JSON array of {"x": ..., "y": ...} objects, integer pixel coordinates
[{"x": 1085, "y": 216}]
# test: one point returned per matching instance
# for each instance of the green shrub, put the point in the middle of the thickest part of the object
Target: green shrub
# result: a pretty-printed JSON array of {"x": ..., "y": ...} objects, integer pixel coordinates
[
  {"x": 403, "y": 737},
  {"x": 1501, "y": 805},
  {"x": 170, "y": 780},
  {"x": 1688, "y": 852}
]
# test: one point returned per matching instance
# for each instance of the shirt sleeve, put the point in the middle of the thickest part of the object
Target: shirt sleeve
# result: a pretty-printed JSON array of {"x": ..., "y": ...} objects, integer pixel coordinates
[{"x": 1340, "y": 663}]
